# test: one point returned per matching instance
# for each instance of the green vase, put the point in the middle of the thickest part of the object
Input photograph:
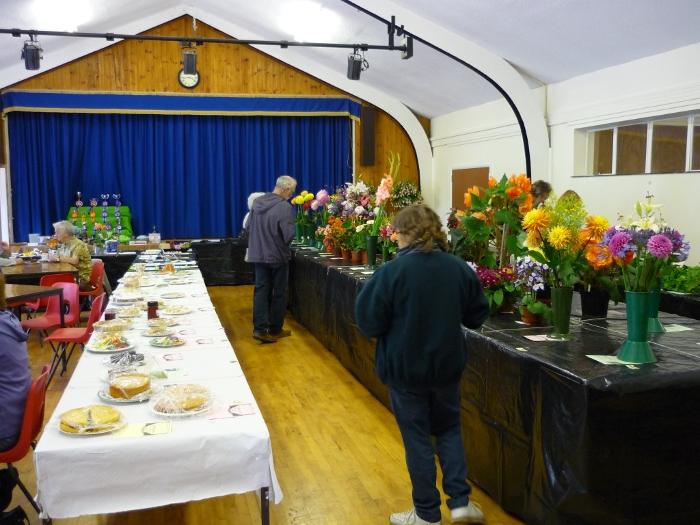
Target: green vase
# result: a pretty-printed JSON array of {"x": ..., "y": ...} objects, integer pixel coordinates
[
  {"x": 561, "y": 311},
  {"x": 636, "y": 348},
  {"x": 297, "y": 232},
  {"x": 655, "y": 326},
  {"x": 385, "y": 253},
  {"x": 372, "y": 250}
]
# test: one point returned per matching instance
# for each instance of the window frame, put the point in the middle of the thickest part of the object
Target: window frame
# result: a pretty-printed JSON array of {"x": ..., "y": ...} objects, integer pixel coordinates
[{"x": 692, "y": 119}]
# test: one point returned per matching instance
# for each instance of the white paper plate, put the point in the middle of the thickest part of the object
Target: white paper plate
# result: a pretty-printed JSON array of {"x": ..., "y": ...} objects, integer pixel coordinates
[
  {"x": 204, "y": 408},
  {"x": 152, "y": 342},
  {"x": 116, "y": 351},
  {"x": 139, "y": 398},
  {"x": 162, "y": 334},
  {"x": 116, "y": 426},
  {"x": 172, "y": 295}
]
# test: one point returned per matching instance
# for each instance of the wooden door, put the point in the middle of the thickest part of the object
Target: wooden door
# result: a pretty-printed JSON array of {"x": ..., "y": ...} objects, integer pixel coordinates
[{"x": 466, "y": 178}]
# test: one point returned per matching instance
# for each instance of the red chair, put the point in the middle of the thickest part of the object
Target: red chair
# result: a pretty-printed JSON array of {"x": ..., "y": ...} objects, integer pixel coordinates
[
  {"x": 96, "y": 279},
  {"x": 32, "y": 422},
  {"x": 52, "y": 317},
  {"x": 72, "y": 336},
  {"x": 46, "y": 280}
]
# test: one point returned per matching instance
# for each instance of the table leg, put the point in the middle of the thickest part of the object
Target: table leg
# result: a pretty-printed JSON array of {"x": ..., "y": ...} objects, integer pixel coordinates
[{"x": 265, "y": 505}]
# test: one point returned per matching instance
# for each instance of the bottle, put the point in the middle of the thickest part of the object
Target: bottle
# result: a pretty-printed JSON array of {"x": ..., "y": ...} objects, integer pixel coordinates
[{"x": 152, "y": 310}]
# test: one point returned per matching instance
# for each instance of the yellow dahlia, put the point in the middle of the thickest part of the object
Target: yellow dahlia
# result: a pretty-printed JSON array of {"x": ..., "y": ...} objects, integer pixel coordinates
[
  {"x": 537, "y": 220},
  {"x": 595, "y": 228},
  {"x": 559, "y": 237},
  {"x": 534, "y": 240}
]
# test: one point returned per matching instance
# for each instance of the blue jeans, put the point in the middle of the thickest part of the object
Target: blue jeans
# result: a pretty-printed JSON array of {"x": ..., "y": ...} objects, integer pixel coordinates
[
  {"x": 270, "y": 297},
  {"x": 420, "y": 415}
]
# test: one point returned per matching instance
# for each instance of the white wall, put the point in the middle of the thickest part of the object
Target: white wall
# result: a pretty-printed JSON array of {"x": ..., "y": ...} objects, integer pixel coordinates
[{"x": 657, "y": 85}]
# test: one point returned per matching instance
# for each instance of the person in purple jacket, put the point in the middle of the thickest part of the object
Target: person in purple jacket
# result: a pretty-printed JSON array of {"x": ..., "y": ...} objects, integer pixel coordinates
[
  {"x": 271, "y": 231},
  {"x": 15, "y": 377}
]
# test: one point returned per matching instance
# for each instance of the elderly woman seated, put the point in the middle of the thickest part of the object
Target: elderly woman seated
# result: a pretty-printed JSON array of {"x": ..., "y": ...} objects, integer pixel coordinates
[{"x": 73, "y": 251}]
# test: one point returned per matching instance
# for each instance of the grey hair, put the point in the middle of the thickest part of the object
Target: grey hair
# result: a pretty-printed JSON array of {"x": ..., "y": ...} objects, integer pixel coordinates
[
  {"x": 66, "y": 226},
  {"x": 286, "y": 183},
  {"x": 252, "y": 197}
]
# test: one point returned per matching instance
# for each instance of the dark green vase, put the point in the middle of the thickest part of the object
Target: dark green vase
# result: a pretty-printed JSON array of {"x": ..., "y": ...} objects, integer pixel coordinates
[
  {"x": 385, "y": 253},
  {"x": 309, "y": 234},
  {"x": 371, "y": 251},
  {"x": 655, "y": 326},
  {"x": 298, "y": 232},
  {"x": 561, "y": 311},
  {"x": 636, "y": 348}
]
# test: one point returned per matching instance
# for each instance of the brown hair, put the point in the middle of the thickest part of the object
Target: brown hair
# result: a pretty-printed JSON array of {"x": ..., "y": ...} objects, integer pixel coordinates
[
  {"x": 422, "y": 226},
  {"x": 540, "y": 188},
  {"x": 3, "y": 302}
]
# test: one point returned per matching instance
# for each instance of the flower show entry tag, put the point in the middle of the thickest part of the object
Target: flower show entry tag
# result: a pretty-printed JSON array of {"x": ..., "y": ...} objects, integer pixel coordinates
[{"x": 676, "y": 328}]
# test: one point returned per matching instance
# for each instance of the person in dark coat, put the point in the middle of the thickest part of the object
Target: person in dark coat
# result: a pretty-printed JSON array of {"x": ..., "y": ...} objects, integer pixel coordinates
[
  {"x": 416, "y": 306},
  {"x": 15, "y": 376},
  {"x": 271, "y": 231}
]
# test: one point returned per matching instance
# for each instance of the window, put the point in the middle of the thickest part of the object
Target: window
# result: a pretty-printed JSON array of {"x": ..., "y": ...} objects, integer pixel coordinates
[{"x": 663, "y": 145}]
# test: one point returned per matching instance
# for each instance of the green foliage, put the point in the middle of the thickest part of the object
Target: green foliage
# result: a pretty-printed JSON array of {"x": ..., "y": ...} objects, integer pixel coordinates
[{"x": 683, "y": 279}]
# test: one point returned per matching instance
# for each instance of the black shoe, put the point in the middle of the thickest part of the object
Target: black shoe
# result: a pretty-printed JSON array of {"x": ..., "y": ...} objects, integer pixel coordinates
[
  {"x": 16, "y": 516},
  {"x": 282, "y": 333},
  {"x": 263, "y": 337}
]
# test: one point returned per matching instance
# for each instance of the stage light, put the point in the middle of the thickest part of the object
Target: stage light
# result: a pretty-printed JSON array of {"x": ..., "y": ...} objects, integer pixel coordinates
[
  {"x": 31, "y": 54},
  {"x": 356, "y": 65}
]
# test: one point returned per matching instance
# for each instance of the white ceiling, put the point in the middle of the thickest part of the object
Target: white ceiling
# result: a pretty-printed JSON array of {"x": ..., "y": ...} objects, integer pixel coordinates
[{"x": 546, "y": 40}]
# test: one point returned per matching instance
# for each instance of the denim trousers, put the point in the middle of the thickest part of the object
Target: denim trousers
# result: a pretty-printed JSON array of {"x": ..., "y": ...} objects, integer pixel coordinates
[
  {"x": 422, "y": 414},
  {"x": 270, "y": 297}
]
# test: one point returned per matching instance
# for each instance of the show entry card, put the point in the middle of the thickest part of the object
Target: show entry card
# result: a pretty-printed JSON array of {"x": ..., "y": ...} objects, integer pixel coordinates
[
  {"x": 538, "y": 337},
  {"x": 608, "y": 360},
  {"x": 676, "y": 328},
  {"x": 145, "y": 429}
]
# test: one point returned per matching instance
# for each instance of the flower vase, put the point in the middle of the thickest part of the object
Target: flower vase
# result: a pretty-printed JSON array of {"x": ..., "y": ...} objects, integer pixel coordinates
[
  {"x": 561, "y": 311},
  {"x": 356, "y": 257},
  {"x": 594, "y": 303},
  {"x": 385, "y": 253},
  {"x": 636, "y": 348},
  {"x": 298, "y": 232},
  {"x": 655, "y": 326},
  {"x": 372, "y": 250}
]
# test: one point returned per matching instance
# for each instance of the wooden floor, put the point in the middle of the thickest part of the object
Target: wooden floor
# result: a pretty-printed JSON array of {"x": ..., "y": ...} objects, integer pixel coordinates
[{"x": 337, "y": 450}]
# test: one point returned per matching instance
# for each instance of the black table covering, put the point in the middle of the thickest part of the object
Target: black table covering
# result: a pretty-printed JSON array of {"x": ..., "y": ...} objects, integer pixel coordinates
[
  {"x": 116, "y": 265},
  {"x": 222, "y": 262},
  {"x": 680, "y": 304},
  {"x": 553, "y": 436}
]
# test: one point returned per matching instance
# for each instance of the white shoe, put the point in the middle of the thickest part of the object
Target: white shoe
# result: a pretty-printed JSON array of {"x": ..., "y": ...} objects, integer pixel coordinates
[
  {"x": 469, "y": 514},
  {"x": 410, "y": 518}
]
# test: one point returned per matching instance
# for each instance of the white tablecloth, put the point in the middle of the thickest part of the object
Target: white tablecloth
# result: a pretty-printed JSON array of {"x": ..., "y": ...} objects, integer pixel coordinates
[{"x": 202, "y": 457}]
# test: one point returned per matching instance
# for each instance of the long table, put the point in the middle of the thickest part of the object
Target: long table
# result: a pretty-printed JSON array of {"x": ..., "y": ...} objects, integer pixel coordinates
[
  {"x": 203, "y": 456},
  {"x": 552, "y": 435}
]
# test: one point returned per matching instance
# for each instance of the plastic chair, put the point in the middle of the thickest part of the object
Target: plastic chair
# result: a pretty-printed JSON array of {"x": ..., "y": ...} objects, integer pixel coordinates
[
  {"x": 32, "y": 422},
  {"x": 72, "y": 336},
  {"x": 51, "y": 319},
  {"x": 42, "y": 302},
  {"x": 96, "y": 279}
]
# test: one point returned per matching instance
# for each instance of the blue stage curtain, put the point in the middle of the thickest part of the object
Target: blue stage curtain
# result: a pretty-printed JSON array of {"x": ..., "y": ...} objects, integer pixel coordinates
[{"x": 189, "y": 176}]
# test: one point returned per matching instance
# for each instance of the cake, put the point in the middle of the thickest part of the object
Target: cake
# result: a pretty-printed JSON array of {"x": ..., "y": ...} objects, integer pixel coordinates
[
  {"x": 89, "y": 419},
  {"x": 178, "y": 399},
  {"x": 128, "y": 385}
]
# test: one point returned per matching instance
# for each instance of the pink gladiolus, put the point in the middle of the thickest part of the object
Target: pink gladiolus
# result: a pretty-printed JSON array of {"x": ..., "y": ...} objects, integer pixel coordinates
[
  {"x": 314, "y": 204},
  {"x": 384, "y": 190}
]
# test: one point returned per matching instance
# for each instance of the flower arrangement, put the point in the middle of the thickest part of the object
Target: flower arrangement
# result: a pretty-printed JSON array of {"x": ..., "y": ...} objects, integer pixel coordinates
[
  {"x": 303, "y": 204},
  {"x": 388, "y": 238},
  {"x": 381, "y": 198},
  {"x": 556, "y": 237},
  {"x": 645, "y": 247},
  {"x": 498, "y": 284},
  {"x": 490, "y": 230},
  {"x": 531, "y": 278},
  {"x": 404, "y": 194}
]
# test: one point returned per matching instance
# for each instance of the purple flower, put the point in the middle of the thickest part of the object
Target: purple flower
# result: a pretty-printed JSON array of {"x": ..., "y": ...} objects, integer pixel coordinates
[
  {"x": 660, "y": 246},
  {"x": 608, "y": 235},
  {"x": 322, "y": 197},
  {"x": 641, "y": 237},
  {"x": 621, "y": 243}
]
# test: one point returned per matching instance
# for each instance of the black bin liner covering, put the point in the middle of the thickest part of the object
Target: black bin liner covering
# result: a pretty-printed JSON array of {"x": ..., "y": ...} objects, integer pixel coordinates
[
  {"x": 222, "y": 262},
  {"x": 553, "y": 436}
]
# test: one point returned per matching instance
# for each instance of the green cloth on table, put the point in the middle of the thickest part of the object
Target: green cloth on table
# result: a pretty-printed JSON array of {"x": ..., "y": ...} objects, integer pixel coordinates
[{"x": 125, "y": 212}]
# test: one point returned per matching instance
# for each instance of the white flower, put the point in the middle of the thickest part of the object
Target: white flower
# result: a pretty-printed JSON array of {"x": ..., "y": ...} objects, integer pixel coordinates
[
  {"x": 359, "y": 228},
  {"x": 360, "y": 210},
  {"x": 376, "y": 210},
  {"x": 371, "y": 221}
]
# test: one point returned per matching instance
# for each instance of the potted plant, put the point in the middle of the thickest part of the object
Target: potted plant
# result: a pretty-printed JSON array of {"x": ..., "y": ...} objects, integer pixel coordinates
[
  {"x": 531, "y": 276},
  {"x": 499, "y": 287}
]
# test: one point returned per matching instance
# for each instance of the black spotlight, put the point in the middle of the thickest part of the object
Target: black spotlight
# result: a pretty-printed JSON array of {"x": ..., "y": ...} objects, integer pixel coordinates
[
  {"x": 356, "y": 65},
  {"x": 31, "y": 54},
  {"x": 189, "y": 61}
]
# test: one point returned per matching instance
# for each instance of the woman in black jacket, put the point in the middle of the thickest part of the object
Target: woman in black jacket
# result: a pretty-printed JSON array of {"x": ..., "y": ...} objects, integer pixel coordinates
[{"x": 415, "y": 306}]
